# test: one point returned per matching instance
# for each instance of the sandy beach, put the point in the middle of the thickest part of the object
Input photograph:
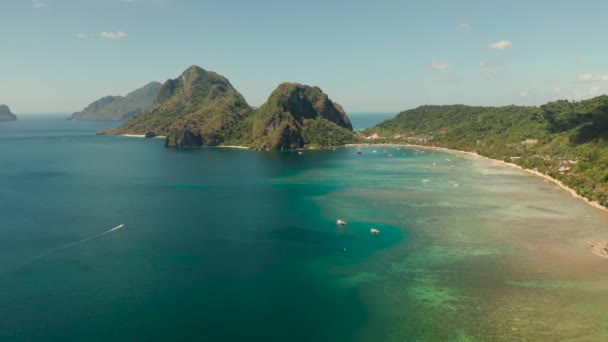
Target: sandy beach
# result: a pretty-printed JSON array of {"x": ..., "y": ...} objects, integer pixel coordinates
[
  {"x": 141, "y": 136},
  {"x": 233, "y": 146},
  {"x": 473, "y": 154}
]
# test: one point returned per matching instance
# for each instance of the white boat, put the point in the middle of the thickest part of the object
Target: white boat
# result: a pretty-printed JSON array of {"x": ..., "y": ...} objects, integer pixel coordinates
[
  {"x": 374, "y": 231},
  {"x": 341, "y": 222},
  {"x": 300, "y": 153}
]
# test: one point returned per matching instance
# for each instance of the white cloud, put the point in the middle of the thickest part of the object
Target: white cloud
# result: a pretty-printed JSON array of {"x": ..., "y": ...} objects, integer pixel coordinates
[
  {"x": 440, "y": 65},
  {"x": 589, "y": 77},
  {"x": 82, "y": 35},
  {"x": 465, "y": 27},
  {"x": 501, "y": 45},
  {"x": 113, "y": 35},
  {"x": 39, "y": 3},
  {"x": 523, "y": 93}
]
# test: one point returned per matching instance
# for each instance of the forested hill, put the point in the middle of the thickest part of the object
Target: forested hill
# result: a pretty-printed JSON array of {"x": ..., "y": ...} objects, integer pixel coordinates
[
  {"x": 564, "y": 139},
  {"x": 202, "y": 108}
]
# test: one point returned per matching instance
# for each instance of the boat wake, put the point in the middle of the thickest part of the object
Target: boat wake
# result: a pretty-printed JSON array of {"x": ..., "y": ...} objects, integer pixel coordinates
[
  {"x": 92, "y": 237},
  {"x": 69, "y": 245}
]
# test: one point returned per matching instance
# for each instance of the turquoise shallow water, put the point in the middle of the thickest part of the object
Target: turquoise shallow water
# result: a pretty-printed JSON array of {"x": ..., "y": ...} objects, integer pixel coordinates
[{"x": 225, "y": 244}]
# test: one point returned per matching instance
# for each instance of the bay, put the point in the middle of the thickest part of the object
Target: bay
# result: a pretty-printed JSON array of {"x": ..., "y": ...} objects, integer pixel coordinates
[{"x": 228, "y": 244}]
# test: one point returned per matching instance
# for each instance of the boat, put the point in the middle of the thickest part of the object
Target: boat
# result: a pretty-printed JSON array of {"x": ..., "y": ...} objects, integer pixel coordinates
[
  {"x": 300, "y": 153},
  {"x": 341, "y": 222},
  {"x": 359, "y": 151},
  {"x": 374, "y": 231}
]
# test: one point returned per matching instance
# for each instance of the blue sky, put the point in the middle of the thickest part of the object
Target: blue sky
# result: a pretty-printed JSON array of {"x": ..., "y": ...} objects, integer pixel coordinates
[{"x": 370, "y": 56}]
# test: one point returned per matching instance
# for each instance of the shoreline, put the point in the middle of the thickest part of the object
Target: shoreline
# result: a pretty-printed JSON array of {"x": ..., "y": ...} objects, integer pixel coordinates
[
  {"x": 142, "y": 136},
  {"x": 232, "y": 146},
  {"x": 502, "y": 162}
]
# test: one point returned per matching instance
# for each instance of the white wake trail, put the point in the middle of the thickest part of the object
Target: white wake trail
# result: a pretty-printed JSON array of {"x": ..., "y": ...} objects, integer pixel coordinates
[
  {"x": 93, "y": 237},
  {"x": 73, "y": 244}
]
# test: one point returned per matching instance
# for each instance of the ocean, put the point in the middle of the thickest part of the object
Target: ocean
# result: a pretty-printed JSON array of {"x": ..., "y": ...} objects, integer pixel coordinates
[{"x": 117, "y": 238}]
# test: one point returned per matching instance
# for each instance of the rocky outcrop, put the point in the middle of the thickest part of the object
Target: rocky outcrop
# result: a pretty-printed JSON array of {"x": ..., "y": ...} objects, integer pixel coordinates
[
  {"x": 286, "y": 119},
  {"x": 119, "y": 107},
  {"x": 6, "y": 114}
]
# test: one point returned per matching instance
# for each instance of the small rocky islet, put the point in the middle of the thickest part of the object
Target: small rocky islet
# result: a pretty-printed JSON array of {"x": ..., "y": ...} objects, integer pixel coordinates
[{"x": 6, "y": 114}]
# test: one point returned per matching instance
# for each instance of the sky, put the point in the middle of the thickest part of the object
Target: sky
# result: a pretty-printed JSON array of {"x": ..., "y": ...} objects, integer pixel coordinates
[{"x": 57, "y": 56}]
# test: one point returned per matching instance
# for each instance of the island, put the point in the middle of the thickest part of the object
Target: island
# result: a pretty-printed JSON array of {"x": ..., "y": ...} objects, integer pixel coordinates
[
  {"x": 120, "y": 107},
  {"x": 6, "y": 114},
  {"x": 202, "y": 108}
]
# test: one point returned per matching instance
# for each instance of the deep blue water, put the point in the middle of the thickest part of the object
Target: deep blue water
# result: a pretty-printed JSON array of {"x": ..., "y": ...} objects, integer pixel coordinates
[{"x": 217, "y": 244}]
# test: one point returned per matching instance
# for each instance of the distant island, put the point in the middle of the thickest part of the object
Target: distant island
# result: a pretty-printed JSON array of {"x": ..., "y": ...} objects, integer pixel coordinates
[
  {"x": 202, "y": 108},
  {"x": 119, "y": 107},
  {"x": 565, "y": 140},
  {"x": 6, "y": 114}
]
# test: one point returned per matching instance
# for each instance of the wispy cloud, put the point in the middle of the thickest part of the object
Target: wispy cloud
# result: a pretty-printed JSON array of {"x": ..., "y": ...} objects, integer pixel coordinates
[
  {"x": 439, "y": 65},
  {"x": 590, "y": 77},
  {"x": 82, "y": 35},
  {"x": 465, "y": 28},
  {"x": 39, "y": 4},
  {"x": 113, "y": 35},
  {"x": 523, "y": 93},
  {"x": 501, "y": 45}
]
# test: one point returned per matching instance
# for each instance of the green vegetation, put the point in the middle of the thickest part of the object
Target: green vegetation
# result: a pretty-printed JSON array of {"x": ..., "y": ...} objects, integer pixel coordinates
[
  {"x": 201, "y": 108},
  {"x": 566, "y": 140},
  {"x": 198, "y": 108},
  {"x": 6, "y": 114},
  {"x": 296, "y": 116},
  {"x": 119, "y": 107}
]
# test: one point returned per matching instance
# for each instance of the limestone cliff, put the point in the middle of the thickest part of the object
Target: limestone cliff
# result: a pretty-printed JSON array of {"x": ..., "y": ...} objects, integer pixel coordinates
[{"x": 297, "y": 115}]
